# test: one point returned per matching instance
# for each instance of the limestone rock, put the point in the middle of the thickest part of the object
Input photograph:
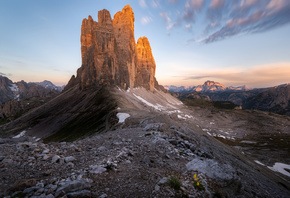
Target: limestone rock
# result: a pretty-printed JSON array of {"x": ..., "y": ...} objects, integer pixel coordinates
[
  {"x": 146, "y": 64},
  {"x": 123, "y": 23},
  {"x": 110, "y": 55},
  {"x": 23, "y": 184}
]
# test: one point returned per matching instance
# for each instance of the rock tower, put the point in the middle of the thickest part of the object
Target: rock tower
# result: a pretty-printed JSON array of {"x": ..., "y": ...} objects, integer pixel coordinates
[{"x": 110, "y": 55}]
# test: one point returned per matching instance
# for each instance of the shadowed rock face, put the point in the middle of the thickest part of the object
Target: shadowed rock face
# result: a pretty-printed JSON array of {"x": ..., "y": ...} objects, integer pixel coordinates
[
  {"x": 110, "y": 55},
  {"x": 274, "y": 99}
]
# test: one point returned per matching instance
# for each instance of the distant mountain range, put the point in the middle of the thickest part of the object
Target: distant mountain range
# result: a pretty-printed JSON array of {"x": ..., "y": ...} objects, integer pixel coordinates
[
  {"x": 18, "y": 97},
  {"x": 275, "y": 99},
  {"x": 207, "y": 87},
  {"x": 49, "y": 85}
]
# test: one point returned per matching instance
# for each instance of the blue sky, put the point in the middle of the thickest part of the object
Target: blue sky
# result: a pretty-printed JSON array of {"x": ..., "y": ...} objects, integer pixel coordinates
[{"x": 234, "y": 42}]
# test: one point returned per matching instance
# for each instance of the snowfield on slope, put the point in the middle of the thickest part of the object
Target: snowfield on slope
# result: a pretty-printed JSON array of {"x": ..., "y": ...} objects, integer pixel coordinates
[
  {"x": 280, "y": 167},
  {"x": 122, "y": 117}
]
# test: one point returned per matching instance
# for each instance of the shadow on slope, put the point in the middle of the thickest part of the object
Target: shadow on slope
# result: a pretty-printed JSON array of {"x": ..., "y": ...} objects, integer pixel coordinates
[{"x": 73, "y": 114}]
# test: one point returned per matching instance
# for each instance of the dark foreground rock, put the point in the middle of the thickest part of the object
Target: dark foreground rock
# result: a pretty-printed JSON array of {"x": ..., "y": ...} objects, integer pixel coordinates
[{"x": 133, "y": 162}]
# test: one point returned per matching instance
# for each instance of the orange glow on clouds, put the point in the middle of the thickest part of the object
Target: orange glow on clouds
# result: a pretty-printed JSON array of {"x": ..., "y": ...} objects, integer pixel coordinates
[{"x": 255, "y": 77}]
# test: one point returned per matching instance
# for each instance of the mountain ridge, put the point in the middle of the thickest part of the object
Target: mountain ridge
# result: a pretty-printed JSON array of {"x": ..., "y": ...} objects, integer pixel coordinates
[
  {"x": 207, "y": 87},
  {"x": 17, "y": 98}
]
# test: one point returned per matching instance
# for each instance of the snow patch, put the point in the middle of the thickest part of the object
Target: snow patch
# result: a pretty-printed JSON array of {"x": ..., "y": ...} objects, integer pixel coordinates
[
  {"x": 221, "y": 136},
  {"x": 188, "y": 116},
  {"x": 248, "y": 142},
  {"x": 180, "y": 117},
  {"x": 20, "y": 134},
  {"x": 122, "y": 117},
  {"x": 259, "y": 162},
  {"x": 157, "y": 107},
  {"x": 184, "y": 117},
  {"x": 174, "y": 111},
  {"x": 119, "y": 88},
  {"x": 280, "y": 167},
  {"x": 13, "y": 87}
]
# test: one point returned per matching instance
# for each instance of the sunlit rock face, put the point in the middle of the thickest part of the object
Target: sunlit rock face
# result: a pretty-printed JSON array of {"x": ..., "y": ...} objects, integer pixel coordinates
[
  {"x": 110, "y": 55},
  {"x": 146, "y": 64}
]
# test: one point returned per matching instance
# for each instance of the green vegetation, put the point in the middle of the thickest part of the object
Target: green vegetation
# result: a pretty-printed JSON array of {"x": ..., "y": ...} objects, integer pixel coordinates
[
  {"x": 206, "y": 103},
  {"x": 4, "y": 121},
  {"x": 224, "y": 105},
  {"x": 197, "y": 102},
  {"x": 174, "y": 182}
]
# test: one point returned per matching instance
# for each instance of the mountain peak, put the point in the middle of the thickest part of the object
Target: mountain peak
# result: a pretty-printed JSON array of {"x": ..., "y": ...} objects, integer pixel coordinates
[
  {"x": 208, "y": 86},
  {"x": 110, "y": 55}
]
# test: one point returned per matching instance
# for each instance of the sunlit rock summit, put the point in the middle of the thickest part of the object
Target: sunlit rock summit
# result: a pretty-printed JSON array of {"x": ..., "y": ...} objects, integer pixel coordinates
[
  {"x": 113, "y": 66},
  {"x": 110, "y": 55}
]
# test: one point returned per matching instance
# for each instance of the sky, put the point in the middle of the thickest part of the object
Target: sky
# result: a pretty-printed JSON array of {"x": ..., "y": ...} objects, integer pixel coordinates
[{"x": 233, "y": 42}]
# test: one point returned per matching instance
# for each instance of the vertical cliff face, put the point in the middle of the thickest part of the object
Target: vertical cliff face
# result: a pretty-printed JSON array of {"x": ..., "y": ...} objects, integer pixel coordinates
[
  {"x": 110, "y": 55},
  {"x": 145, "y": 65},
  {"x": 123, "y": 23}
]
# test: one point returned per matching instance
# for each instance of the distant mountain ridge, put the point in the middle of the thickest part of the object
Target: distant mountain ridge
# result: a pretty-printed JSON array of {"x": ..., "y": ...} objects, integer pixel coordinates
[
  {"x": 274, "y": 99},
  {"x": 207, "y": 87},
  {"x": 17, "y": 97},
  {"x": 49, "y": 85}
]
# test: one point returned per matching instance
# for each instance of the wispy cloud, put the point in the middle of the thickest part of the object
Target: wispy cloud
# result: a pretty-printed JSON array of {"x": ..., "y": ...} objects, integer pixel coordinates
[
  {"x": 5, "y": 74},
  {"x": 173, "y": 1},
  {"x": 142, "y": 3},
  {"x": 167, "y": 19},
  {"x": 251, "y": 17},
  {"x": 191, "y": 7},
  {"x": 188, "y": 26},
  {"x": 228, "y": 18},
  {"x": 155, "y": 3},
  {"x": 145, "y": 20}
]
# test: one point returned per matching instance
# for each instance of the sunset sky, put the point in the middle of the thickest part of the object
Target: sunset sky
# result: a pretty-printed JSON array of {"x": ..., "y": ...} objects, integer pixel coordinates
[{"x": 234, "y": 42}]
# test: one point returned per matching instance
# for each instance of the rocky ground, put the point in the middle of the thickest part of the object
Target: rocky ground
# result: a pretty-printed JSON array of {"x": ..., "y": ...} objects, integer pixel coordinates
[
  {"x": 146, "y": 160},
  {"x": 163, "y": 149}
]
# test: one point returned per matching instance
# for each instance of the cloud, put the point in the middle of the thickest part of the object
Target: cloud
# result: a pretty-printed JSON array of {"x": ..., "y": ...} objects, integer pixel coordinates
[
  {"x": 190, "y": 9},
  {"x": 188, "y": 26},
  {"x": 188, "y": 15},
  {"x": 197, "y": 77},
  {"x": 252, "y": 17},
  {"x": 145, "y": 20},
  {"x": 142, "y": 3},
  {"x": 217, "y": 3},
  {"x": 257, "y": 76},
  {"x": 3, "y": 74},
  {"x": 155, "y": 4},
  {"x": 228, "y": 18},
  {"x": 165, "y": 16},
  {"x": 173, "y": 1},
  {"x": 168, "y": 21}
]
